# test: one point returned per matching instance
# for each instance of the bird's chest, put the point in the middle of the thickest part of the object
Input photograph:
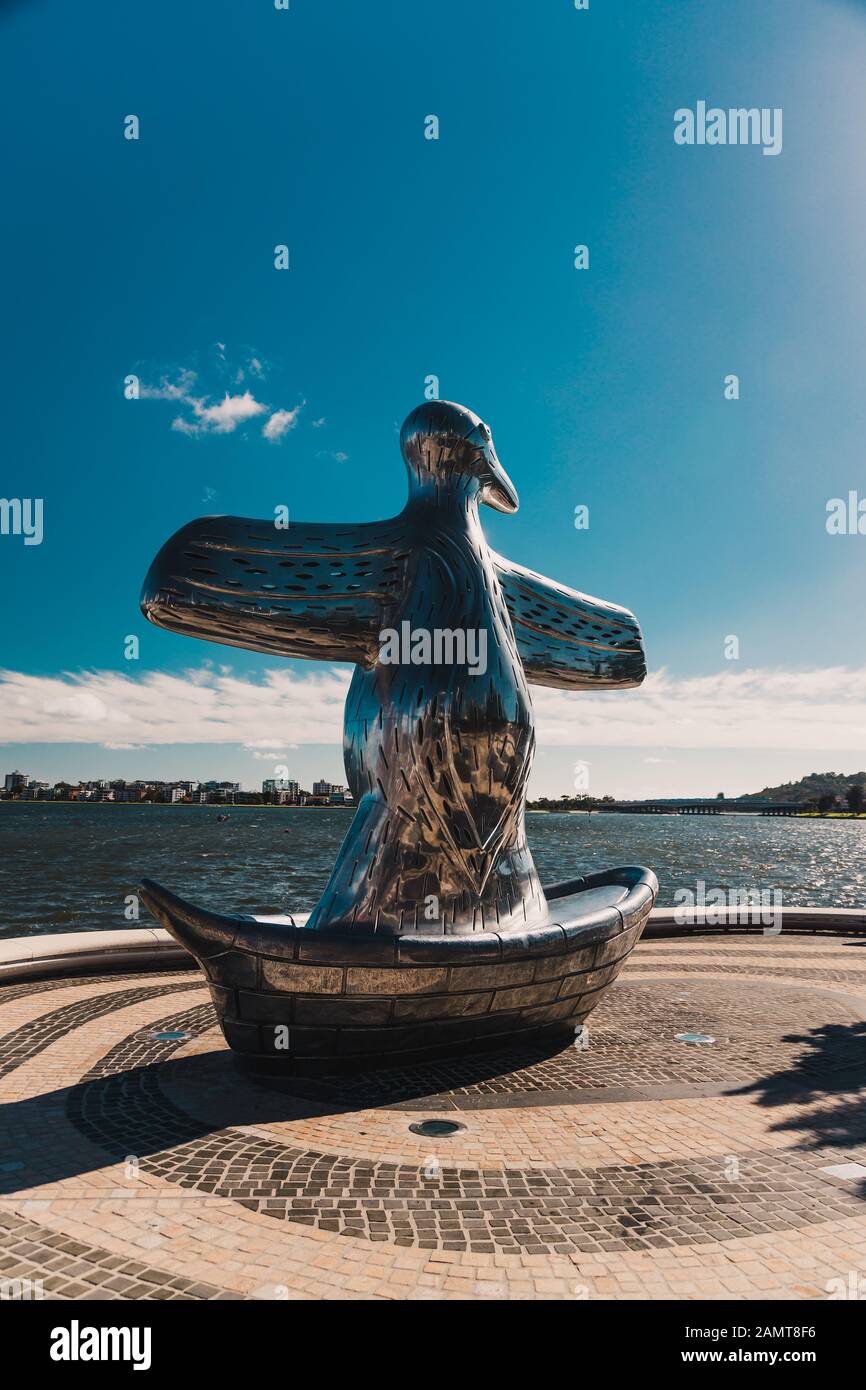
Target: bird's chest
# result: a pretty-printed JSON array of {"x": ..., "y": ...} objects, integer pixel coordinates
[{"x": 447, "y": 674}]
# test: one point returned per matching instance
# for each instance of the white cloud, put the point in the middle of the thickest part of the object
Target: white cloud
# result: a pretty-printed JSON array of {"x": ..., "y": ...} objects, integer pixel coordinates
[
  {"x": 252, "y": 367},
  {"x": 222, "y": 418},
  {"x": 200, "y": 706},
  {"x": 184, "y": 426},
  {"x": 168, "y": 390},
  {"x": 78, "y": 705},
  {"x": 280, "y": 423},
  {"x": 760, "y": 709},
  {"x": 763, "y": 709},
  {"x": 208, "y": 416}
]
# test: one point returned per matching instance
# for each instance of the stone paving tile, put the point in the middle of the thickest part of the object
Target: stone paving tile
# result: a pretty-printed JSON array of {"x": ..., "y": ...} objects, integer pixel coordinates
[
  {"x": 41, "y": 1032},
  {"x": 62, "y": 1267},
  {"x": 24, "y": 1003},
  {"x": 803, "y": 944},
  {"x": 24, "y": 988},
  {"x": 632, "y": 1042},
  {"x": 327, "y": 1194},
  {"x": 819, "y": 973}
]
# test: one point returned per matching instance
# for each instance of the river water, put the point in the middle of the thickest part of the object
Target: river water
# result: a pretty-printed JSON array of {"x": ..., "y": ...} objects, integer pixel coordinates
[{"x": 69, "y": 867}]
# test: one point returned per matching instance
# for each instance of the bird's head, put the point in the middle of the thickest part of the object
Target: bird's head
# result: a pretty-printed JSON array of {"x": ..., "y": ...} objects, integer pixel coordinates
[{"x": 446, "y": 444}]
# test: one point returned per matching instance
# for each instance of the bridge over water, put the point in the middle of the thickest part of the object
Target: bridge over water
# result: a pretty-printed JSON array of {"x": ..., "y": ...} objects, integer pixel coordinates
[{"x": 711, "y": 806}]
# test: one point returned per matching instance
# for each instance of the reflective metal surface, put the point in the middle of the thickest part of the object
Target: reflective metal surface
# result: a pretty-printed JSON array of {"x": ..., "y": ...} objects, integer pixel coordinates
[{"x": 438, "y": 751}]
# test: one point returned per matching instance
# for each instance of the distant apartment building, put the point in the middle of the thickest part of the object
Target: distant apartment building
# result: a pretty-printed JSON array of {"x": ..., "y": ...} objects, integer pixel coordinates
[
  {"x": 216, "y": 791},
  {"x": 281, "y": 790},
  {"x": 100, "y": 790},
  {"x": 331, "y": 792},
  {"x": 130, "y": 791},
  {"x": 20, "y": 786},
  {"x": 36, "y": 791}
]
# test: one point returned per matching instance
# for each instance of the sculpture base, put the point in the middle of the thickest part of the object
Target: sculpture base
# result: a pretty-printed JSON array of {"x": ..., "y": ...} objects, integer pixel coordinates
[{"x": 316, "y": 1002}]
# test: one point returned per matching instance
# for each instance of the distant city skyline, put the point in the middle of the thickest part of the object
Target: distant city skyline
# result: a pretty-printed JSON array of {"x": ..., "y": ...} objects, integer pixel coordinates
[
  {"x": 658, "y": 786},
  {"x": 18, "y": 784}
]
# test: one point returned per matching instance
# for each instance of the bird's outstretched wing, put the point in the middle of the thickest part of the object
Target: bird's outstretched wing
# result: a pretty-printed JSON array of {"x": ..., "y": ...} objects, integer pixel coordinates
[
  {"x": 567, "y": 639},
  {"x": 316, "y": 590}
]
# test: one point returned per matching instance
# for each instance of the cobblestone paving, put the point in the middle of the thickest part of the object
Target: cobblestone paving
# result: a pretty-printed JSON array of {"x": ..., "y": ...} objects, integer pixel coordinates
[
  {"x": 34, "y": 1037},
  {"x": 642, "y": 1166},
  {"x": 25, "y": 988},
  {"x": 68, "y": 1268},
  {"x": 632, "y": 1043},
  {"x": 818, "y": 974}
]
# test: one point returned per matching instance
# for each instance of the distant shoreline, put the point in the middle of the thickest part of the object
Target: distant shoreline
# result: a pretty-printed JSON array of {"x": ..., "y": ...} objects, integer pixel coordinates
[
  {"x": 614, "y": 811},
  {"x": 269, "y": 806},
  {"x": 183, "y": 805}
]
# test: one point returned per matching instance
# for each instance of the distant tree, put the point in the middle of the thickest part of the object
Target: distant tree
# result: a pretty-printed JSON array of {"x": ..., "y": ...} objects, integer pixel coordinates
[
  {"x": 855, "y": 797},
  {"x": 826, "y": 802}
]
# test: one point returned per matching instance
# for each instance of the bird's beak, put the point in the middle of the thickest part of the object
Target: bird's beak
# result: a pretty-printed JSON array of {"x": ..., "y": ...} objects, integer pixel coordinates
[{"x": 497, "y": 489}]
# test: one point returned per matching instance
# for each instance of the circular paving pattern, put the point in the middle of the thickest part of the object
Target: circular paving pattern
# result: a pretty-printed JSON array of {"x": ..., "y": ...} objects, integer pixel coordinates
[{"x": 143, "y": 1160}]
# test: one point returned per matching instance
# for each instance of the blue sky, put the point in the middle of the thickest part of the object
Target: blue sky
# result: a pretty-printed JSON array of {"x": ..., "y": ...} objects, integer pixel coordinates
[{"x": 454, "y": 257}]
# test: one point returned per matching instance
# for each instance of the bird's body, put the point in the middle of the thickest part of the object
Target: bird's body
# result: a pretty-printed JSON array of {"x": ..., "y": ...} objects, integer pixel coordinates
[
  {"x": 444, "y": 634},
  {"x": 438, "y": 752}
]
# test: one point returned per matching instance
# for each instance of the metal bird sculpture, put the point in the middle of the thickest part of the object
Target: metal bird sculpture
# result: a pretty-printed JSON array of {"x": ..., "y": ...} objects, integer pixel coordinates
[
  {"x": 445, "y": 636},
  {"x": 433, "y": 934}
]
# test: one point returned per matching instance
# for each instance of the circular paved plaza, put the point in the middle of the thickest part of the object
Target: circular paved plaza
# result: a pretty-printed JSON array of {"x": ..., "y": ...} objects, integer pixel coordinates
[{"x": 140, "y": 1161}]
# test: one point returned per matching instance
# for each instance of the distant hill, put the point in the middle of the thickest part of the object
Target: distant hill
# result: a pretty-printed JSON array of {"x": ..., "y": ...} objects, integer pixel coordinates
[{"x": 810, "y": 788}]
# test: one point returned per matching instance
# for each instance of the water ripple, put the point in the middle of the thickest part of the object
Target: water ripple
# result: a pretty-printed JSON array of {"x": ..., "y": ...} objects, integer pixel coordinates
[{"x": 70, "y": 867}]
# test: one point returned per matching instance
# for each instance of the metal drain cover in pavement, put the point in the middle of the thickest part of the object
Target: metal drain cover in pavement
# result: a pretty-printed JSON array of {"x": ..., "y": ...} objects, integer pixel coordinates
[
  {"x": 436, "y": 1129},
  {"x": 694, "y": 1038},
  {"x": 178, "y": 1036}
]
